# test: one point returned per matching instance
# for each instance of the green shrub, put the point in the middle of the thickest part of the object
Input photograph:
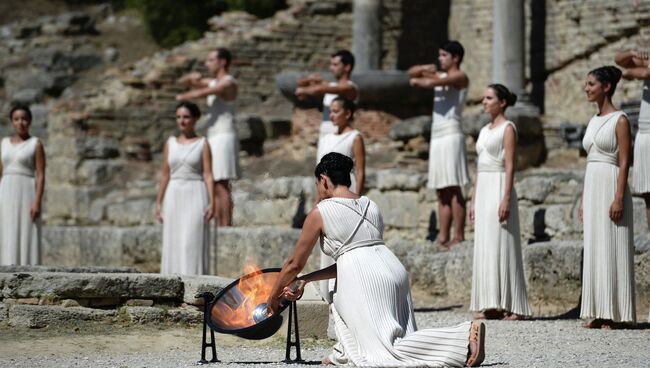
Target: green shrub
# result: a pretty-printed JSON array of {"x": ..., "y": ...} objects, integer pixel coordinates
[{"x": 171, "y": 23}]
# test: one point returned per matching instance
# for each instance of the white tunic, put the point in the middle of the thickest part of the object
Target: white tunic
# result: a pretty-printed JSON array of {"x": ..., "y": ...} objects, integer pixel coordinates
[
  {"x": 608, "y": 271},
  {"x": 498, "y": 280},
  {"x": 222, "y": 136},
  {"x": 20, "y": 237},
  {"x": 185, "y": 235},
  {"x": 641, "y": 168},
  {"x": 372, "y": 307},
  {"x": 327, "y": 127},
  {"x": 447, "y": 152}
]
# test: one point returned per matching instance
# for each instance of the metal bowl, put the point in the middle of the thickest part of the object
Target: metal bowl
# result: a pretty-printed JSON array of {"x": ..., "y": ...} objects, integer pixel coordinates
[{"x": 227, "y": 305}]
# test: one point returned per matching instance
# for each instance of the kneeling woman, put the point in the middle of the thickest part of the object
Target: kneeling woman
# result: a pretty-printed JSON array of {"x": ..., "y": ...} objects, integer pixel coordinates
[{"x": 372, "y": 307}]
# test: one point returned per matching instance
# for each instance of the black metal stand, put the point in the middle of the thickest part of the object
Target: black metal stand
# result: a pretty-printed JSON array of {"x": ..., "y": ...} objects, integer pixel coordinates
[
  {"x": 293, "y": 316},
  {"x": 207, "y": 298}
]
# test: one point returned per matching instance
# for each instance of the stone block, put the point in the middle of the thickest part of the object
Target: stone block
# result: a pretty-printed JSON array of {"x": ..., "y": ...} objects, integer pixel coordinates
[
  {"x": 277, "y": 127},
  {"x": 97, "y": 171},
  {"x": 185, "y": 315},
  {"x": 87, "y": 246},
  {"x": 553, "y": 272},
  {"x": 641, "y": 243},
  {"x": 27, "y": 301},
  {"x": 458, "y": 271},
  {"x": 397, "y": 179},
  {"x": 145, "y": 314},
  {"x": 404, "y": 130},
  {"x": 266, "y": 212},
  {"x": 34, "y": 316},
  {"x": 40, "y": 268},
  {"x": 534, "y": 188},
  {"x": 74, "y": 286},
  {"x": 103, "y": 302},
  {"x": 3, "y": 312},
  {"x": 67, "y": 303},
  {"x": 92, "y": 147},
  {"x": 398, "y": 207},
  {"x": 132, "y": 212},
  {"x": 139, "y": 303},
  {"x": 194, "y": 285}
]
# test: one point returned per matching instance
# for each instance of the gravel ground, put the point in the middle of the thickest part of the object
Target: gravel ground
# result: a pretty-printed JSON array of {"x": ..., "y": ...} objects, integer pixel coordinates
[{"x": 535, "y": 343}]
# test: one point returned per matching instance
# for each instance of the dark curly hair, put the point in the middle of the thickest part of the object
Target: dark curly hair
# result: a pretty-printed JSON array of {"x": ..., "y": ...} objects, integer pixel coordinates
[
  {"x": 504, "y": 94},
  {"x": 608, "y": 75},
  {"x": 337, "y": 167},
  {"x": 18, "y": 107},
  {"x": 194, "y": 110}
]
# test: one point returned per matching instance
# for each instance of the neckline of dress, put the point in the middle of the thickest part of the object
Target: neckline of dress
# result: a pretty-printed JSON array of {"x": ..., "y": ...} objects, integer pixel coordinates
[
  {"x": 494, "y": 128},
  {"x": 609, "y": 113},
  {"x": 187, "y": 144},
  {"x": 19, "y": 143}
]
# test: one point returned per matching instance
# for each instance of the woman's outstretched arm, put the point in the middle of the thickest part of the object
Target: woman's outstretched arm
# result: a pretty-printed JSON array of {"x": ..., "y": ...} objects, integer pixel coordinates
[{"x": 311, "y": 230}]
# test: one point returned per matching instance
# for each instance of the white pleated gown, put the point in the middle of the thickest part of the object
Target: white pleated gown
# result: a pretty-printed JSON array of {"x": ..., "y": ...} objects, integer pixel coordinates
[
  {"x": 498, "y": 280},
  {"x": 186, "y": 237},
  {"x": 326, "y": 126},
  {"x": 641, "y": 168},
  {"x": 20, "y": 237},
  {"x": 608, "y": 271},
  {"x": 343, "y": 144},
  {"x": 372, "y": 307},
  {"x": 447, "y": 151},
  {"x": 223, "y": 137}
]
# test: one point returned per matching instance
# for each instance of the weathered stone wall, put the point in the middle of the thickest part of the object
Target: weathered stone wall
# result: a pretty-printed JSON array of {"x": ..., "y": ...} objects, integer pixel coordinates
[{"x": 564, "y": 40}]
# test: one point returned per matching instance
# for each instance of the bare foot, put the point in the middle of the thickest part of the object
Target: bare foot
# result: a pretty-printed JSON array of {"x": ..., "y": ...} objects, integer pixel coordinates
[
  {"x": 326, "y": 361},
  {"x": 513, "y": 317}
]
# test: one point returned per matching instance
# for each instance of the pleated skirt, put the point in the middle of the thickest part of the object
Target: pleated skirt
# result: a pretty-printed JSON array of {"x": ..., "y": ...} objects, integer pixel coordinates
[
  {"x": 608, "y": 271},
  {"x": 20, "y": 237},
  {"x": 641, "y": 168},
  {"x": 447, "y": 158},
  {"x": 186, "y": 237},
  {"x": 374, "y": 320},
  {"x": 498, "y": 280}
]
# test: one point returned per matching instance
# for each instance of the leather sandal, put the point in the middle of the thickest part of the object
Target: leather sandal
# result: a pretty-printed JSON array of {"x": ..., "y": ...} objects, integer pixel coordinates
[{"x": 477, "y": 335}]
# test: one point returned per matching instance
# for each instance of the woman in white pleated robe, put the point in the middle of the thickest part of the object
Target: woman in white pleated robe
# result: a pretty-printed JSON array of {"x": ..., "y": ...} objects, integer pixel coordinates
[
  {"x": 185, "y": 199},
  {"x": 22, "y": 183},
  {"x": 498, "y": 282},
  {"x": 372, "y": 307},
  {"x": 606, "y": 210}
]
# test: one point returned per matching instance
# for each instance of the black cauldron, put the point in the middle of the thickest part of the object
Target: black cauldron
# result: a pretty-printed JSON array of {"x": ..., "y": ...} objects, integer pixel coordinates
[{"x": 231, "y": 297}]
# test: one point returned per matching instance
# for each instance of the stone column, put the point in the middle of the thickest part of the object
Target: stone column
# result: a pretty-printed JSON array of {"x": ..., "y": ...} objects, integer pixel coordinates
[
  {"x": 508, "y": 44},
  {"x": 366, "y": 34}
]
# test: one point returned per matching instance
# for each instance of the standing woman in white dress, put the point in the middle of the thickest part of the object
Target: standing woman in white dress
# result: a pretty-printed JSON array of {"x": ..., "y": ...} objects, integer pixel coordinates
[
  {"x": 448, "y": 172},
  {"x": 346, "y": 141},
  {"x": 221, "y": 91},
  {"x": 185, "y": 199},
  {"x": 372, "y": 307},
  {"x": 498, "y": 281},
  {"x": 606, "y": 210},
  {"x": 22, "y": 182}
]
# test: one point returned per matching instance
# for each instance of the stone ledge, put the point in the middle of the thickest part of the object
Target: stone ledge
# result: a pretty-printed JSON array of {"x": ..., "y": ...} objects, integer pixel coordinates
[{"x": 33, "y": 316}]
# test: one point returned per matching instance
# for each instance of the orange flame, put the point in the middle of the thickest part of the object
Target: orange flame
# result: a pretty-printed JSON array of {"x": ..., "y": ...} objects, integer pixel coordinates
[{"x": 235, "y": 309}]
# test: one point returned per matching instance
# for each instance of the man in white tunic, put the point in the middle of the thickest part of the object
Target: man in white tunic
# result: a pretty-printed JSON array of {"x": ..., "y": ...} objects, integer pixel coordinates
[
  {"x": 637, "y": 66},
  {"x": 341, "y": 65},
  {"x": 220, "y": 89}
]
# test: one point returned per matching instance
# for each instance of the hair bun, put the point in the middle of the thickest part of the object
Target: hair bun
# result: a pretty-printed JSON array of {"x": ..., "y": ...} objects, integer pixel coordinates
[
  {"x": 615, "y": 73},
  {"x": 512, "y": 99}
]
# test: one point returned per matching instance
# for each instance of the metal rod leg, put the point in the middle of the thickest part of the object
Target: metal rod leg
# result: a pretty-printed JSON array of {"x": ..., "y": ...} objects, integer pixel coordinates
[{"x": 293, "y": 317}]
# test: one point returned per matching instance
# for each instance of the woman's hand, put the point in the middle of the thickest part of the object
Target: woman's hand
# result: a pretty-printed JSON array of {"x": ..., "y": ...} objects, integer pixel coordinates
[
  {"x": 616, "y": 210},
  {"x": 471, "y": 212},
  {"x": 158, "y": 213},
  {"x": 273, "y": 304},
  {"x": 208, "y": 214},
  {"x": 294, "y": 293},
  {"x": 504, "y": 209},
  {"x": 35, "y": 211}
]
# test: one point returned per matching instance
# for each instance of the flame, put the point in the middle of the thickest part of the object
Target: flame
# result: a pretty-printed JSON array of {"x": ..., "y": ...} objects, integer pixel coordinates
[{"x": 234, "y": 310}]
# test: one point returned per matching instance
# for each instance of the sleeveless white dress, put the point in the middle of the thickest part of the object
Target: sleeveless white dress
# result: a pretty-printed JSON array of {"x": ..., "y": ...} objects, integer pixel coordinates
[
  {"x": 186, "y": 237},
  {"x": 222, "y": 136},
  {"x": 447, "y": 152},
  {"x": 608, "y": 271},
  {"x": 498, "y": 280},
  {"x": 641, "y": 168},
  {"x": 372, "y": 307},
  {"x": 343, "y": 144},
  {"x": 327, "y": 127},
  {"x": 20, "y": 237}
]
